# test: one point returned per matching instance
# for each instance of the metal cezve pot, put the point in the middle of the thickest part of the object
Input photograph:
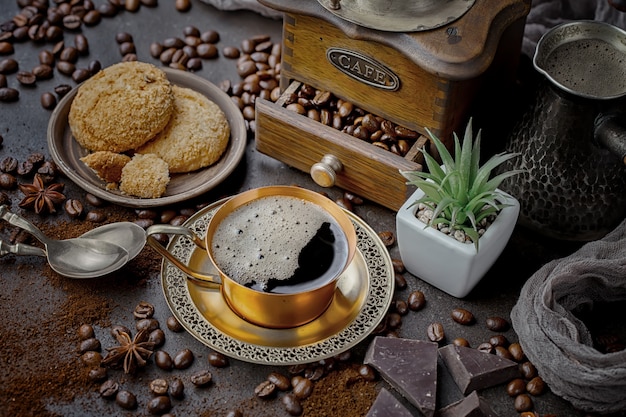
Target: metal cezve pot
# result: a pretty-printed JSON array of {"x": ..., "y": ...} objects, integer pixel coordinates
[{"x": 572, "y": 139}]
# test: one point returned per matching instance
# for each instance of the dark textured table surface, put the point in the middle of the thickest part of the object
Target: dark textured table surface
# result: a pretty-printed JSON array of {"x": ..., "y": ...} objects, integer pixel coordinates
[{"x": 40, "y": 311}]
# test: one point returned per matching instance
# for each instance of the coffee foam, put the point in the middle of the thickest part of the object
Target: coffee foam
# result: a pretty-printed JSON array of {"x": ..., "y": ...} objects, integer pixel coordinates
[
  {"x": 262, "y": 239},
  {"x": 590, "y": 66}
]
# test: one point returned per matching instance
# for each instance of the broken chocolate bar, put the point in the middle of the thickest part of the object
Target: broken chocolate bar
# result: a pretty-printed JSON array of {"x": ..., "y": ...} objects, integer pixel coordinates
[
  {"x": 471, "y": 406},
  {"x": 475, "y": 370},
  {"x": 410, "y": 366},
  {"x": 386, "y": 405}
]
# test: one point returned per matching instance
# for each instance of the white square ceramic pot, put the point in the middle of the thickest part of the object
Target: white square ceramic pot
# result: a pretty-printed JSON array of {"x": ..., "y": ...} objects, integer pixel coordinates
[{"x": 442, "y": 261}]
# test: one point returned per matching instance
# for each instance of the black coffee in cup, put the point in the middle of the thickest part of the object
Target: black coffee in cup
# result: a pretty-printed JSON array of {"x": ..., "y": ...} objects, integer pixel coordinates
[{"x": 280, "y": 244}]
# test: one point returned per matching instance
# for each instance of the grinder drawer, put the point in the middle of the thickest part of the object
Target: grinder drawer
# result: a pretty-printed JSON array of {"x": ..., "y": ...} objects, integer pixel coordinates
[{"x": 331, "y": 156}]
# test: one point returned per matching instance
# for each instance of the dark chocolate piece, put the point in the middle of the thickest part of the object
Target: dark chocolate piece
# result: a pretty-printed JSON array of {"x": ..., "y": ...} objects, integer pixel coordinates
[
  {"x": 386, "y": 405},
  {"x": 471, "y": 406},
  {"x": 410, "y": 366},
  {"x": 475, "y": 370}
]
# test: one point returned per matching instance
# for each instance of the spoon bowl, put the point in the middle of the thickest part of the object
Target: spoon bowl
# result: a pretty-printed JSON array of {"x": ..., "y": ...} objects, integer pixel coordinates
[
  {"x": 128, "y": 235},
  {"x": 75, "y": 258}
]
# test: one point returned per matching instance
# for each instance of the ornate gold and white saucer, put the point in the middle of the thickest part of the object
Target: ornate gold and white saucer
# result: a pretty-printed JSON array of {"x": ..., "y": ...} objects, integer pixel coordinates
[{"x": 363, "y": 296}]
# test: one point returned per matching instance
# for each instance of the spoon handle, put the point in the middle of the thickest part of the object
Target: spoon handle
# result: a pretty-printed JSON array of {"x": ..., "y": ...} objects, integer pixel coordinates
[
  {"x": 20, "y": 249},
  {"x": 21, "y": 222}
]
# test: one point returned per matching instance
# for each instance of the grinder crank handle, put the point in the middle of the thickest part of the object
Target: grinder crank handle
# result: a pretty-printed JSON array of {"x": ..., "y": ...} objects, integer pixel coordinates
[{"x": 20, "y": 249}]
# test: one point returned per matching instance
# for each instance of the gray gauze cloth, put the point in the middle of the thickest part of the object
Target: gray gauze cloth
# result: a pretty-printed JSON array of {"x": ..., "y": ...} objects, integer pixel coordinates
[{"x": 557, "y": 342}]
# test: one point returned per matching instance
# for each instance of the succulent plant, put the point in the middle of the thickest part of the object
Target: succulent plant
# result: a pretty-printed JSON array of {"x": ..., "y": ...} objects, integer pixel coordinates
[{"x": 461, "y": 192}]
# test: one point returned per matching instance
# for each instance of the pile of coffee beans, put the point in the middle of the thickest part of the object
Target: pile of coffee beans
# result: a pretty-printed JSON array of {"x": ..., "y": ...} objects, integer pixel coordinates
[
  {"x": 324, "y": 107},
  {"x": 162, "y": 389}
]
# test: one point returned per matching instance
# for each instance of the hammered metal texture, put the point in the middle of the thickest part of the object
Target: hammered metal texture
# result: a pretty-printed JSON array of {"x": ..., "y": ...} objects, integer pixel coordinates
[
  {"x": 574, "y": 188},
  {"x": 376, "y": 304}
]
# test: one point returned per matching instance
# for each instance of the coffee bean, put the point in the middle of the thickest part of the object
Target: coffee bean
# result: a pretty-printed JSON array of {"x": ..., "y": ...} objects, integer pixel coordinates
[
  {"x": 183, "y": 359},
  {"x": 536, "y": 386},
  {"x": 48, "y": 101},
  {"x": 8, "y": 164},
  {"x": 280, "y": 381},
  {"x": 43, "y": 72},
  {"x": 503, "y": 352},
  {"x": 3, "y": 81},
  {"x": 516, "y": 387},
  {"x": 147, "y": 324},
  {"x": 92, "y": 17},
  {"x": 80, "y": 75},
  {"x": 91, "y": 358},
  {"x": 217, "y": 359},
  {"x": 8, "y": 94},
  {"x": 122, "y": 37},
  {"x": 435, "y": 332},
  {"x": 401, "y": 307},
  {"x": 231, "y": 52},
  {"x": 159, "y": 386},
  {"x": 182, "y": 5},
  {"x": 96, "y": 216},
  {"x": 97, "y": 374},
  {"x": 485, "y": 347},
  {"x": 25, "y": 168},
  {"x": 85, "y": 331},
  {"x": 81, "y": 44},
  {"x": 516, "y": 351},
  {"x": 523, "y": 402},
  {"x": 157, "y": 337},
  {"x": 73, "y": 208},
  {"x": 207, "y": 51},
  {"x": 173, "y": 324},
  {"x": 234, "y": 413},
  {"x": 90, "y": 344},
  {"x": 127, "y": 48},
  {"x": 499, "y": 340},
  {"x": 107, "y": 9},
  {"x": 302, "y": 387},
  {"x": 108, "y": 389},
  {"x": 210, "y": 36},
  {"x": 460, "y": 341},
  {"x": 143, "y": 310},
  {"x": 7, "y": 181},
  {"x": 177, "y": 389},
  {"x": 6, "y": 48},
  {"x": 62, "y": 89},
  {"x": 156, "y": 49},
  {"x": 462, "y": 316},
  {"x": 497, "y": 324},
  {"x": 201, "y": 378},
  {"x": 65, "y": 67},
  {"x": 160, "y": 404},
  {"x": 117, "y": 329},
  {"x": 72, "y": 22},
  {"x": 132, "y": 5},
  {"x": 416, "y": 300},
  {"x": 265, "y": 389},
  {"x": 163, "y": 360},
  {"x": 528, "y": 370},
  {"x": 292, "y": 404}
]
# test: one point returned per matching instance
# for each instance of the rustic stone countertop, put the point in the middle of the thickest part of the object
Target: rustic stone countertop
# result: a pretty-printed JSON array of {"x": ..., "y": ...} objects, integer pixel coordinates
[{"x": 40, "y": 369}]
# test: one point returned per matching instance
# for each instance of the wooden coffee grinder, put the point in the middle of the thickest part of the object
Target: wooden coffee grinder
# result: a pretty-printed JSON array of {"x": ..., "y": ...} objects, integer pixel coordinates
[{"x": 419, "y": 64}]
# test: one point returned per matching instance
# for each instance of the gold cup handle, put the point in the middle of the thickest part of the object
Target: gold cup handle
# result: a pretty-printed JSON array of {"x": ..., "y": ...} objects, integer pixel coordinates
[
  {"x": 208, "y": 280},
  {"x": 324, "y": 173}
]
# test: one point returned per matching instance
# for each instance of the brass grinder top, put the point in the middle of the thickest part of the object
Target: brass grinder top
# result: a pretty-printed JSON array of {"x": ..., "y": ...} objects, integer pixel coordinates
[{"x": 398, "y": 15}]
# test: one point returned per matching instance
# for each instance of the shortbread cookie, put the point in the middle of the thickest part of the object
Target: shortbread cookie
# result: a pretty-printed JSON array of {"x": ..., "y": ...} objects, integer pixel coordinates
[
  {"x": 107, "y": 165},
  {"x": 121, "y": 107},
  {"x": 197, "y": 135},
  {"x": 145, "y": 176}
]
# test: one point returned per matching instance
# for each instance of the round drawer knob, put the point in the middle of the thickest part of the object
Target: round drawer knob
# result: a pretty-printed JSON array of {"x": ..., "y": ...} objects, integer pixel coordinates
[{"x": 324, "y": 173}]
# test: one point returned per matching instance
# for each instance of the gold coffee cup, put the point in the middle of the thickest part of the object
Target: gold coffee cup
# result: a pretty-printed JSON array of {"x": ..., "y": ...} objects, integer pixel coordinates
[{"x": 287, "y": 301}]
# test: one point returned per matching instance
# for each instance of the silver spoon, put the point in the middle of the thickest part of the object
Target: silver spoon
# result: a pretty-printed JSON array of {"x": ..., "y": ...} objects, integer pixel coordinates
[
  {"x": 128, "y": 235},
  {"x": 74, "y": 258}
]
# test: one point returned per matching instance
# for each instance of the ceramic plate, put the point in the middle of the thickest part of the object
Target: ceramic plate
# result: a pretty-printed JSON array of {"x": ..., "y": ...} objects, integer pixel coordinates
[
  {"x": 363, "y": 296},
  {"x": 66, "y": 152}
]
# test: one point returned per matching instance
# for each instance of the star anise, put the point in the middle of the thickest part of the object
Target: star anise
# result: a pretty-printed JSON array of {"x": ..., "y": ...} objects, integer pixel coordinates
[
  {"x": 41, "y": 198},
  {"x": 131, "y": 353}
]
